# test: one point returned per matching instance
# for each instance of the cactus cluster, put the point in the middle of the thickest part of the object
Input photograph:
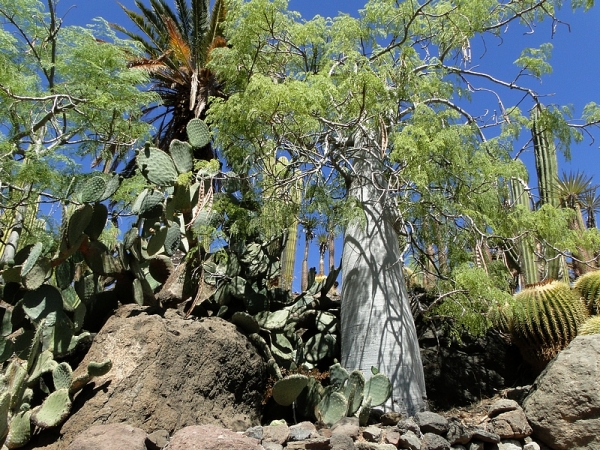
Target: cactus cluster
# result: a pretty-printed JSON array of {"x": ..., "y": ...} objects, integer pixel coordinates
[
  {"x": 21, "y": 388},
  {"x": 348, "y": 394}
]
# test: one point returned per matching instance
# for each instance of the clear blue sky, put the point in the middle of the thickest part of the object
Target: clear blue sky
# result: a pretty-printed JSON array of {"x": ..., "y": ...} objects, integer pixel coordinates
[{"x": 575, "y": 79}]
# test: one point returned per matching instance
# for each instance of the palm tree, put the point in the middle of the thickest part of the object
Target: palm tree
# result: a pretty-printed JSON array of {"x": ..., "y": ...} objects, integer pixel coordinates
[
  {"x": 178, "y": 46},
  {"x": 590, "y": 202},
  {"x": 571, "y": 190}
]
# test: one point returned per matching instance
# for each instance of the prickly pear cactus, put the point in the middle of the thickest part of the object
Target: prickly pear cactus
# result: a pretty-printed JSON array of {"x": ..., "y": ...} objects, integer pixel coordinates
[{"x": 287, "y": 390}]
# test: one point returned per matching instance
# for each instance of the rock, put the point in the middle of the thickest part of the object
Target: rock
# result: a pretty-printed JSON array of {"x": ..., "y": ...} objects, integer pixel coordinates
[
  {"x": 458, "y": 433},
  {"x": 391, "y": 418},
  {"x": 458, "y": 447},
  {"x": 372, "y": 433},
  {"x": 211, "y": 437},
  {"x": 157, "y": 440},
  {"x": 169, "y": 373},
  {"x": 531, "y": 446},
  {"x": 321, "y": 443},
  {"x": 341, "y": 442},
  {"x": 302, "y": 431},
  {"x": 433, "y": 441},
  {"x": 272, "y": 446},
  {"x": 254, "y": 432},
  {"x": 509, "y": 444},
  {"x": 430, "y": 422},
  {"x": 501, "y": 406},
  {"x": 484, "y": 436},
  {"x": 510, "y": 425},
  {"x": 347, "y": 426},
  {"x": 564, "y": 405},
  {"x": 110, "y": 437},
  {"x": 391, "y": 437},
  {"x": 372, "y": 446},
  {"x": 408, "y": 425},
  {"x": 276, "y": 433},
  {"x": 410, "y": 441},
  {"x": 476, "y": 445}
]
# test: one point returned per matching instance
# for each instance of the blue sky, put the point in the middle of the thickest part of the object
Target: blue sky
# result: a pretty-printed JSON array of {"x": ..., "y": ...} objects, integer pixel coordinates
[{"x": 575, "y": 79}]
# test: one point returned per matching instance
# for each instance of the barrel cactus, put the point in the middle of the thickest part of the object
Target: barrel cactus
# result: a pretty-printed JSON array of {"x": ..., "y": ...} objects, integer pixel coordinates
[
  {"x": 545, "y": 318},
  {"x": 588, "y": 287},
  {"x": 590, "y": 326}
]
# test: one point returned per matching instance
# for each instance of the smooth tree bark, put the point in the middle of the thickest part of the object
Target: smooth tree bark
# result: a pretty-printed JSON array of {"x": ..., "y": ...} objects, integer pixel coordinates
[{"x": 376, "y": 322}]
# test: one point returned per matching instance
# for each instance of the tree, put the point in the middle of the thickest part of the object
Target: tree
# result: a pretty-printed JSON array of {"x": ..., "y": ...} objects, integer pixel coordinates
[
  {"x": 178, "y": 46},
  {"x": 65, "y": 94},
  {"x": 378, "y": 106}
]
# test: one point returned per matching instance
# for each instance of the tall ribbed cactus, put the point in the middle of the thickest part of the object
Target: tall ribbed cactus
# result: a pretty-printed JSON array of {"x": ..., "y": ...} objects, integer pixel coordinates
[
  {"x": 545, "y": 318},
  {"x": 527, "y": 261},
  {"x": 546, "y": 165},
  {"x": 288, "y": 257}
]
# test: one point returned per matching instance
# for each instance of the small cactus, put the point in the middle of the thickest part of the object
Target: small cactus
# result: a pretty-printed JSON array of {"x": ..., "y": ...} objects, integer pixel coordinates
[{"x": 590, "y": 326}]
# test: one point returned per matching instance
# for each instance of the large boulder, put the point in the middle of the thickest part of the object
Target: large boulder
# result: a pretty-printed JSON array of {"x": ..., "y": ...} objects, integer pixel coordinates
[
  {"x": 564, "y": 407},
  {"x": 169, "y": 373}
]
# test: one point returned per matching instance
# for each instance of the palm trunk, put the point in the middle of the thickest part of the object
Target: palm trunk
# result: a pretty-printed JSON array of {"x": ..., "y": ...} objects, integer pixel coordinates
[
  {"x": 331, "y": 250},
  {"x": 304, "y": 280},
  {"x": 376, "y": 322}
]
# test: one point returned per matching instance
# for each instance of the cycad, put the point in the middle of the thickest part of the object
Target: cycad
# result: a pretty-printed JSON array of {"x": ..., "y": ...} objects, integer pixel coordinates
[{"x": 178, "y": 45}]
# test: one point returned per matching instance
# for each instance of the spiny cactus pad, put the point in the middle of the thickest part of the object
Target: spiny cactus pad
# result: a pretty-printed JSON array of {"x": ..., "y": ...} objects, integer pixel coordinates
[
  {"x": 39, "y": 303},
  {"x": 378, "y": 388},
  {"x": 97, "y": 222},
  {"x": 157, "y": 166},
  {"x": 54, "y": 410},
  {"x": 34, "y": 254},
  {"x": 354, "y": 391},
  {"x": 62, "y": 376},
  {"x": 92, "y": 189},
  {"x": 286, "y": 391},
  {"x": 182, "y": 155},
  {"x": 20, "y": 430},
  {"x": 78, "y": 222},
  {"x": 198, "y": 133},
  {"x": 332, "y": 407}
]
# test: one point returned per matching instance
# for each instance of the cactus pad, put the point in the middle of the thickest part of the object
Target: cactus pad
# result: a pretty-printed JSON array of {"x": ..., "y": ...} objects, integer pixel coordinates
[
  {"x": 20, "y": 430},
  {"x": 39, "y": 273},
  {"x": 39, "y": 303},
  {"x": 245, "y": 321},
  {"x": 160, "y": 268},
  {"x": 112, "y": 185},
  {"x": 172, "y": 239},
  {"x": 286, "y": 391},
  {"x": 32, "y": 258},
  {"x": 354, "y": 391},
  {"x": 97, "y": 222},
  {"x": 54, "y": 410},
  {"x": 78, "y": 222},
  {"x": 378, "y": 388},
  {"x": 273, "y": 321},
  {"x": 62, "y": 376},
  {"x": 152, "y": 204},
  {"x": 182, "y": 155},
  {"x": 198, "y": 133},
  {"x": 332, "y": 407},
  {"x": 156, "y": 166},
  {"x": 93, "y": 189},
  {"x": 337, "y": 376},
  {"x": 98, "y": 369}
]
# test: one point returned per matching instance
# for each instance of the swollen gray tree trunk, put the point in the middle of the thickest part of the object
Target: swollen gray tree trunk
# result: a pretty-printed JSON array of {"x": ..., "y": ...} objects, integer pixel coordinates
[{"x": 376, "y": 322}]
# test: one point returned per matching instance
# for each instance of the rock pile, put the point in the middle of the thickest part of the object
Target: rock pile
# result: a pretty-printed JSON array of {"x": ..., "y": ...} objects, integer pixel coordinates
[{"x": 504, "y": 428}]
